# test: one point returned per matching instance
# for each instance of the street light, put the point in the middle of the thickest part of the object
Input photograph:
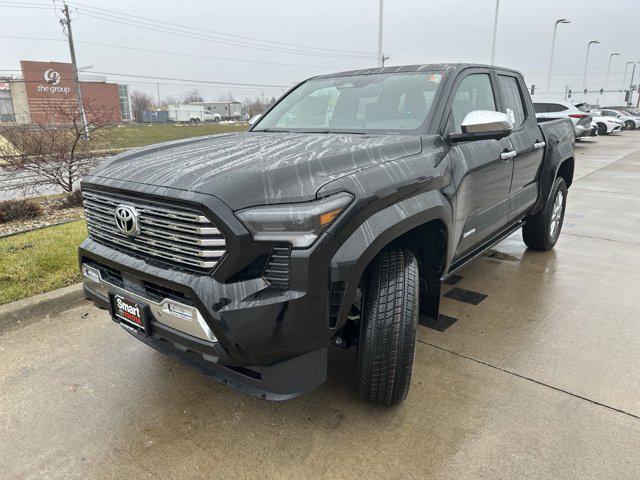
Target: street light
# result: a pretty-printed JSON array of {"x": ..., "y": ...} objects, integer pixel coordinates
[
  {"x": 495, "y": 32},
  {"x": 606, "y": 81},
  {"x": 624, "y": 77},
  {"x": 630, "y": 97},
  {"x": 380, "y": 25},
  {"x": 553, "y": 46},
  {"x": 586, "y": 64}
]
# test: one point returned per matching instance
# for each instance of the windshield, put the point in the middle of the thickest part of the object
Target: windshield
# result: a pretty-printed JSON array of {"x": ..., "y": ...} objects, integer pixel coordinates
[{"x": 377, "y": 103}]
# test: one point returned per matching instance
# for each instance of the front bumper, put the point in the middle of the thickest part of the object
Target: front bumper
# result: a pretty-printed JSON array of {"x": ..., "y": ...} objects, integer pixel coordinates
[{"x": 179, "y": 330}]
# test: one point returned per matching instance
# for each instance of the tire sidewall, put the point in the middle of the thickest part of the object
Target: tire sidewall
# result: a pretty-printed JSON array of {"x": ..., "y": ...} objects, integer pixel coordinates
[
  {"x": 558, "y": 186},
  {"x": 602, "y": 129}
]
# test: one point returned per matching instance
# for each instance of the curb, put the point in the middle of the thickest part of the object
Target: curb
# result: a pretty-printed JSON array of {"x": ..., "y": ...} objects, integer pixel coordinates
[{"x": 28, "y": 309}]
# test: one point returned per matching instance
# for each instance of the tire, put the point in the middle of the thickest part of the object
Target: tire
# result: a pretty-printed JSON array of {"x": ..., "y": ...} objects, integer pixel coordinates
[
  {"x": 542, "y": 230},
  {"x": 388, "y": 328},
  {"x": 629, "y": 125},
  {"x": 602, "y": 129}
]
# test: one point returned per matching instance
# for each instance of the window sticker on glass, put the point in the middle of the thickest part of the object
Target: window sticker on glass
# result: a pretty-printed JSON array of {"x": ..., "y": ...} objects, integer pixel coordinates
[{"x": 435, "y": 78}]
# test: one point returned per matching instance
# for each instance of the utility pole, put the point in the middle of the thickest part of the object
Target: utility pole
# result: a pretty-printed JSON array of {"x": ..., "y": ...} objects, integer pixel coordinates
[
  {"x": 495, "y": 33},
  {"x": 66, "y": 23},
  {"x": 553, "y": 46},
  {"x": 381, "y": 58},
  {"x": 158, "y": 93}
]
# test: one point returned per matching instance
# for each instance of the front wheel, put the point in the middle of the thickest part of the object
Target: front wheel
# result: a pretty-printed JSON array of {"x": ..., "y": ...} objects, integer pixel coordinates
[
  {"x": 602, "y": 129},
  {"x": 388, "y": 328},
  {"x": 629, "y": 125},
  {"x": 541, "y": 230}
]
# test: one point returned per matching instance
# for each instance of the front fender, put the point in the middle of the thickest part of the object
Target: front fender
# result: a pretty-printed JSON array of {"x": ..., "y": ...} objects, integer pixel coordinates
[{"x": 354, "y": 255}]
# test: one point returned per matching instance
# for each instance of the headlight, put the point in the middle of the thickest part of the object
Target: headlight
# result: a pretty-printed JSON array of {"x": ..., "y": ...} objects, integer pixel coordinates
[{"x": 297, "y": 223}]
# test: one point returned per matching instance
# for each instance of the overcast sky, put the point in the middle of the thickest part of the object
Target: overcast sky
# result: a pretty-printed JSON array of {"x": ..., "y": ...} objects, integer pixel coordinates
[{"x": 415, "y": 31}]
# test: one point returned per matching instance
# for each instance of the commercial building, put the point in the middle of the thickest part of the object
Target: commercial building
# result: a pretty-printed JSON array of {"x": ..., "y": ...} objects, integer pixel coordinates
[{"x": 46, "y": 88}]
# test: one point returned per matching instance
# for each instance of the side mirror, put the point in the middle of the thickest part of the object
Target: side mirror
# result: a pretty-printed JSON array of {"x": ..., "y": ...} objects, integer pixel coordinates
[
  {"x": 254, "y": 119},
  {"x": 483, "y": 125}
]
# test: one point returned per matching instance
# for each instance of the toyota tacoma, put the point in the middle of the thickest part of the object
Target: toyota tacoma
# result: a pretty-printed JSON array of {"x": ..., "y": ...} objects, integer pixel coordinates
[{"x": 334, "y": 220}]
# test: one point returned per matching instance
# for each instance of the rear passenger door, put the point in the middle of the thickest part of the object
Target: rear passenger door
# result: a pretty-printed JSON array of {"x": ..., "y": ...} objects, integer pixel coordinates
[{"x": 525, "y": 140}]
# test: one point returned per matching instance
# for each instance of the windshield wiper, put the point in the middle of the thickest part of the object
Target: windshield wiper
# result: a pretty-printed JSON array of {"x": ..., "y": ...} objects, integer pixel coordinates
[
  {"x": 347, "y": 132},
  {"x": 271, "y": 130}
]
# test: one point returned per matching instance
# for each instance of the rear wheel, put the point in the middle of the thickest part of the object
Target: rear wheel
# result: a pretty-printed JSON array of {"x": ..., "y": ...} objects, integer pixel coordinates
[
  {"x": 602, "y": 129},
  {"x": 541, "y": 231},
  {"x": 388, "y": 328}
]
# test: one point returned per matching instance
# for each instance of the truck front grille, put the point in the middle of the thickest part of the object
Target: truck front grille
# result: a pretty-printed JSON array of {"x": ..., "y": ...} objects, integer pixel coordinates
[{"x": 176, "y": 235}]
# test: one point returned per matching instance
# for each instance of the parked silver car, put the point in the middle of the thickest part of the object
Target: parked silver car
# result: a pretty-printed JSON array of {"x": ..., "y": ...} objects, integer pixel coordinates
[{"x": 561, "y": 109}]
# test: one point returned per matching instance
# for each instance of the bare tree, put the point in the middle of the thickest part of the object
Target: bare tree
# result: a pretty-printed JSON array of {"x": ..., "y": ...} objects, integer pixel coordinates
[
  {"x": 169, "y": 100},
  {"x": 140, "y": 101},
  {"x": 54, "y": 154},
  {"x": 193, "y": 97}
]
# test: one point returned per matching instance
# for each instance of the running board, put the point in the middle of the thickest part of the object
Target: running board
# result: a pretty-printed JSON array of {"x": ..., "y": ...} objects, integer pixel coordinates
[{"x": 483, "y": 248}]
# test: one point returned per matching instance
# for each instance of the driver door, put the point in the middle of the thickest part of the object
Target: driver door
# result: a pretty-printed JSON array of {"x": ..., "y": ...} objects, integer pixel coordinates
[{"x": 482, "y": 168}]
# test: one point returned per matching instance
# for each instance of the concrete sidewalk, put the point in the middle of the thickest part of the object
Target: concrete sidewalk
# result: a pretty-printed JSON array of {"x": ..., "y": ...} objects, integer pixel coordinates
[{"x": 541, "y": 379}]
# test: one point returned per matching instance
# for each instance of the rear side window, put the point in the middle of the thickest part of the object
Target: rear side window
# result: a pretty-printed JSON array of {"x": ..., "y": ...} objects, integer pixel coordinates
[
  {"x": 556, "y": 107},
  {"x": 540, "y": 107},
  {"x": 513, "y": 103},
  {"x": 474, "y": 93}
]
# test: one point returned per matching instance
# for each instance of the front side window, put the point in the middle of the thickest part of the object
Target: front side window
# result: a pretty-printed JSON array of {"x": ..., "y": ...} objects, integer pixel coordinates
[
  {"x": 513, "y": 103},
  {"x": 376, "y": 103},
  {"x": 474, "y": 93}
]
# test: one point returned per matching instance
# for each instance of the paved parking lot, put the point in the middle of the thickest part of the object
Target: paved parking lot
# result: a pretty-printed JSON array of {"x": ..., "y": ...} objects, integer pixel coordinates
[{"x": 540, "y": 379}]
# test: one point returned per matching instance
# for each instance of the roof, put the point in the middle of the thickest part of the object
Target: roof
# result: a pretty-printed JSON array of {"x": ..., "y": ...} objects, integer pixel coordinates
[{"x": 430, "y": 67}]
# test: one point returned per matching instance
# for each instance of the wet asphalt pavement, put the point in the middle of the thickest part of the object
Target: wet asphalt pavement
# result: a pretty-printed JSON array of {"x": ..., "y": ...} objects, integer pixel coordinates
[{"x": 540, "y": 378}]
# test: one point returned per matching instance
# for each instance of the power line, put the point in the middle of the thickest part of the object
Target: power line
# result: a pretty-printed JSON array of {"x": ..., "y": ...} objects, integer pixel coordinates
[
  {"x": 211, "y": 32},
  {"x": 166, "y": 52},
  {"x": 210, "y": 38}
]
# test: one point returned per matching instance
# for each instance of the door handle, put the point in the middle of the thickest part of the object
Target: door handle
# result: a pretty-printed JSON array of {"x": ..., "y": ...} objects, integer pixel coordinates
[
  {"x": 507, "y": 155},
  {"x": 539, "y": 145}
]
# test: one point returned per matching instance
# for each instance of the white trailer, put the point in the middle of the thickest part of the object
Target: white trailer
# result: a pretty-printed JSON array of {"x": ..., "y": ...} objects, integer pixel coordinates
[
  {"x": 186, "y": 113},
  {"x": 226, "y": 110}
]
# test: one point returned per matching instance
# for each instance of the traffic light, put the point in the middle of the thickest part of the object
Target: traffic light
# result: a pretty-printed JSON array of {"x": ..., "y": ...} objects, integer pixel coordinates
[
  {"x": 569, "y": 93},
  {"x": 533, "y": 89}
]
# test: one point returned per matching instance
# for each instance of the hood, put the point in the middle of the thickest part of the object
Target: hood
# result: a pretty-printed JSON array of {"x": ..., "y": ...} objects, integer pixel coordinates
[{"x": 255, "y": 168}]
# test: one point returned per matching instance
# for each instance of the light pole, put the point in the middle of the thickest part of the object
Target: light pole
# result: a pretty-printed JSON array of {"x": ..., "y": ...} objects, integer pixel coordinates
[
  {"x": 630, "y": 97},
  {"x": 553, "y": 46},
  {"x": 606, "y": 80},
  {"x": 586, "y": 64},
  {"x": 495, "y": 32},
  {"x": 624, "y": 77},
  {"x": 380, "y": 24}
]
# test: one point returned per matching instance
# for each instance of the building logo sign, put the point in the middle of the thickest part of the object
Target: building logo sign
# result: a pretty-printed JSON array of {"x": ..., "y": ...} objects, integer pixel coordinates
[{"x": 52, "y": 77}]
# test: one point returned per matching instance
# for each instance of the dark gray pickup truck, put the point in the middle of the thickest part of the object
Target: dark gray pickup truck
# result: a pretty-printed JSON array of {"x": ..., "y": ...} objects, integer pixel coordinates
[{"x": 335, "y": 219}]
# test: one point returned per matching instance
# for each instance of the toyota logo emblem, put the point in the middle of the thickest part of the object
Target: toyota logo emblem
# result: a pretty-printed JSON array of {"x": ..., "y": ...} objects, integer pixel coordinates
[{"x": 127, "y": 220}]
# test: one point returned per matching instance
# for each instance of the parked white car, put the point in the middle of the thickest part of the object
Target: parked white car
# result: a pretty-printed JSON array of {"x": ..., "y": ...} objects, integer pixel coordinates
[
  {"x": 561, "y": 109},
  {"x": 628, "y": 111},
  {"x": 629, "y": 121},
  {"x": 606, "y": 125}
]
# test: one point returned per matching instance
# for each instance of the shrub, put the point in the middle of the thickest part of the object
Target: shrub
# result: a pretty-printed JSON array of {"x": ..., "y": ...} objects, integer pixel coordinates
[
  {"x": 71, "y": 200},
  {"x": 18, "y": 210}
]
